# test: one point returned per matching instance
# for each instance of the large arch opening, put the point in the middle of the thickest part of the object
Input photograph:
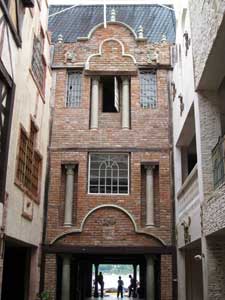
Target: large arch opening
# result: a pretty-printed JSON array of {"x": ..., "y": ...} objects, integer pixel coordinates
[
  {"x": 85, "y": 270},
  {"x": 116, "y": 244}
]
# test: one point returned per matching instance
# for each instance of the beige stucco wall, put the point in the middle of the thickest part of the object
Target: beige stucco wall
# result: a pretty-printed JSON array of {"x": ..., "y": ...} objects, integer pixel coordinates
[
  {"x": 27, "y": 103},
  {"x": 187, "y": 198},
  {"x": 206, "y": 18}
]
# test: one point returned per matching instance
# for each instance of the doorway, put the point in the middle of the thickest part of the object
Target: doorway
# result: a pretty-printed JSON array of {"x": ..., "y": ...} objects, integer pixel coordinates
[{"x": 15, "y": 272}]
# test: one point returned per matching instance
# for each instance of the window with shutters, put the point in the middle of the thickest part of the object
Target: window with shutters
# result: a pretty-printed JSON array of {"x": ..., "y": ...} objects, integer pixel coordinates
[
  {"x": 148, "y": 88},
  {"x": 73, "y": 98},
  {"x": 29, "y": 162},
  {"x": 7, "y": 88},
  {"x": 108, "y": 173},
  {"x": 38, "y": 64},
  {"x": 111, "y": 93}
]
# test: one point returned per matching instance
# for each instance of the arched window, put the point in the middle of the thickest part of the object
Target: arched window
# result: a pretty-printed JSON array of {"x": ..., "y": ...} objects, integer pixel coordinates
[{"x": 108, "y": 173}]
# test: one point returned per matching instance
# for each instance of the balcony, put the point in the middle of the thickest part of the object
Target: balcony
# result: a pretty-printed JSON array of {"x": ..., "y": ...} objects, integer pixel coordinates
[
  {"x": 189, "y": 191},
  {"x": 218, "y": 162}
]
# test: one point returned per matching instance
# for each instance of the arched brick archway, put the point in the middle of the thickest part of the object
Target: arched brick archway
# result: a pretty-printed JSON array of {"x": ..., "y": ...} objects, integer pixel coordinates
[{"x": 105, "y": 226}]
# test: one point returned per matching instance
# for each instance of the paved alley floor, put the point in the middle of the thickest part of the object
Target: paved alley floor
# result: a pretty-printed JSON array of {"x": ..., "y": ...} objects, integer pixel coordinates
[{"x": 112, "y": 297}]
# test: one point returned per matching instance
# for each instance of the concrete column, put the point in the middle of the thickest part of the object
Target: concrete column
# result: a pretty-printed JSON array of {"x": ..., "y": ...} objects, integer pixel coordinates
[
  {"x": 96, "y": 281},
  {"x": 149, "y": 196},
  {"x": 135, "y": 280},
  {"x": 69, "y": 195},
  {"x": 150, "y": 278},
  {"x": 94, "y": 102},
  {"x": 125, "y": 103},
  {"x": 66, "y": 278}
]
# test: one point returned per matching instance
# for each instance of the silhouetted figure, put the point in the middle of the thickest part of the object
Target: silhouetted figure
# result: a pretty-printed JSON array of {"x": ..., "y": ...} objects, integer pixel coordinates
[
  {"x": 101, "y": 282},
  {"x": 120, "y": 287},
  {"x": 131, "y": 287}
]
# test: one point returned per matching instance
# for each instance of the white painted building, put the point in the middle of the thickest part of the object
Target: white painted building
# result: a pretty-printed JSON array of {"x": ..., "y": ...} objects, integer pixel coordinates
[
  {"x": 25, "y": 80},
  {"x": 198, "y": 122}
]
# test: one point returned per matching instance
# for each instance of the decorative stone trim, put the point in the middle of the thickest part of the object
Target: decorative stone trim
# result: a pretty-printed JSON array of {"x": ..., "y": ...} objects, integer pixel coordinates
[
  {"x": 79, "y": 230},
  {"x": 102, "y": 24},
  {"x": 100, "y": 52}
]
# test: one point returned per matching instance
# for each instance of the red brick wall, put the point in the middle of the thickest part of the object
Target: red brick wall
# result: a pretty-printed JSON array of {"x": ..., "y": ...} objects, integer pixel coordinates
[
  {"x": 108, "y": 227},
  {"x": 166, "y": 277},
  {"x": 50, "y": 277},
  {"x": 146, "y": 141},
  {"x": 131, "y": 202}
]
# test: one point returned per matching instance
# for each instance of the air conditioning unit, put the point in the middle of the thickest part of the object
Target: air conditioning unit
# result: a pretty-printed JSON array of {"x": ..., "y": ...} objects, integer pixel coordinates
[{"x": 28, "y": 3}]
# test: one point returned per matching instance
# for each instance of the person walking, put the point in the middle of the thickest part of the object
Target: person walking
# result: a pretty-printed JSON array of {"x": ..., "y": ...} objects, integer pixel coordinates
[
  {"x": 131, "y": 287},
  {"x": 120, "y": 287},
  {"x": 101, "y": 282}
]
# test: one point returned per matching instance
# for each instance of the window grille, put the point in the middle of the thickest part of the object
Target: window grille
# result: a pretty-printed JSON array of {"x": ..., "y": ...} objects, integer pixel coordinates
[
  {"x": 38, "y": 64},
  {"x": 108, "y": 173},
  {"x": 148, "y": 89},
  {"x": 74, "y": 90},
  {"x": 29, "y": 162}
]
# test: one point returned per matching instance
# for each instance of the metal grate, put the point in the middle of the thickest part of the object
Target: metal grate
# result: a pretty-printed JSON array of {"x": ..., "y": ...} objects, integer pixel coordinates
[
  {"x": 108, "y": 173},
  {"x": 38, "y": 64},
  {"x": 148, "y": 89},
  {"x": 73, "y": 98}
]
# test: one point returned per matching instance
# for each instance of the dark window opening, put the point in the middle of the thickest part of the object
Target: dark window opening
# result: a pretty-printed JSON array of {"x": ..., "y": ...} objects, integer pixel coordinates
[
  {"x": 110, "y": 94},
  {"x": 189, "y": 158}
]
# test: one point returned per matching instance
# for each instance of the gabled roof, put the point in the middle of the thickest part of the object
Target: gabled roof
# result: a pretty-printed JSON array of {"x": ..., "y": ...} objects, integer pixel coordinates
[{"x": 78, "y": 21}]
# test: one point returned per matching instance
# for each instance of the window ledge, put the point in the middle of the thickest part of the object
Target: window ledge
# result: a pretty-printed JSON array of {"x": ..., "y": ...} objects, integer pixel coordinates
[{"x": 27, "y": 216}]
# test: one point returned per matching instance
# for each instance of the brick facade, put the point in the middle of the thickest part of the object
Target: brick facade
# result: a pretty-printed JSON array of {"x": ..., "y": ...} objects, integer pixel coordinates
[
  {"x": 206, "y": 18},
  {"x": 111, "y": 220},
  {"x": 208, "y": 25}
]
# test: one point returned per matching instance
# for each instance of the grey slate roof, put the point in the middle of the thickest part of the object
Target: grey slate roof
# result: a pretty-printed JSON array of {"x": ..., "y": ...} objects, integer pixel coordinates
[{"x": 78, "y": 21}]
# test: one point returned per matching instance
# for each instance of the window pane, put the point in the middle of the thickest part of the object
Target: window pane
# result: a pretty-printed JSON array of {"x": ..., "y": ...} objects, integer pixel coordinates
[
  {"x": 74, "y": 90},
  {"x": 110, "y": 173},
  {"x": 38, "y": 65},
  {"x": 29, "y": 162},
  {"x": 148, "y": 89}
]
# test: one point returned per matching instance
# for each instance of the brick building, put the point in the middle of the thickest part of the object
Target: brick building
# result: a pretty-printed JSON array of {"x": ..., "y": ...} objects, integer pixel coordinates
[
  {"x": 198, "y": 118},
  {"x": 109, "y": 198},
  {"x": 25, "y": 81}
]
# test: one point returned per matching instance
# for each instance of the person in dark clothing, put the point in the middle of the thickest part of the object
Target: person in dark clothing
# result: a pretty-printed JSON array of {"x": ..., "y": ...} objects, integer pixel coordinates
[
  {"x": 120, "y": 288},
  {"x": 101, "y": 282},
  {"x": 131, "y": 287}
]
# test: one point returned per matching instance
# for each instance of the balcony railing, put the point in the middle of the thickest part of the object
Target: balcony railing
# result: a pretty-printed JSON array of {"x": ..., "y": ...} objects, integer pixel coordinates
[
  {"x": 189, "y": 191},
  {"x": 218, "y": 162}
]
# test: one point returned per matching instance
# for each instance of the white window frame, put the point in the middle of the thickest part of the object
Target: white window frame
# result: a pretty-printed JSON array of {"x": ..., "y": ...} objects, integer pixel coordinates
[{"x": 128, "y": 173}]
